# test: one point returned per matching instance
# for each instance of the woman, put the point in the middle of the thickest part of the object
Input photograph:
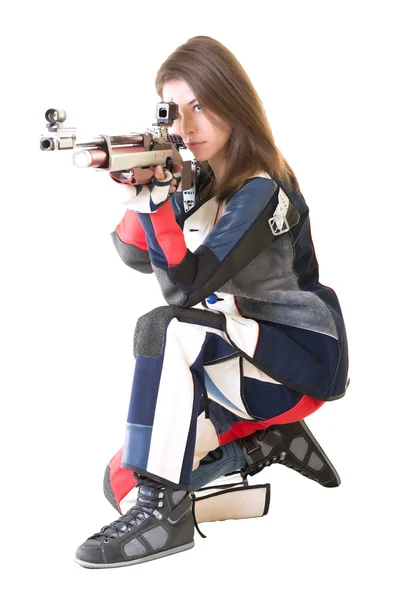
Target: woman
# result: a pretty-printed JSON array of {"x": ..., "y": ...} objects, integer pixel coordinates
[{"x": 269, "y": 346}]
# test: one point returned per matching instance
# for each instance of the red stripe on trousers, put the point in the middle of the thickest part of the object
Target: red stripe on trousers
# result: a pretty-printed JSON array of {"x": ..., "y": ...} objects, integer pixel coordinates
[{"x": 122, "y": 480}]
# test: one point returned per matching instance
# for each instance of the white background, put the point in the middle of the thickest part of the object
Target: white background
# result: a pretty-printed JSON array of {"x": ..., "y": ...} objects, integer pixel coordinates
[{"x": 326, "y": 72}]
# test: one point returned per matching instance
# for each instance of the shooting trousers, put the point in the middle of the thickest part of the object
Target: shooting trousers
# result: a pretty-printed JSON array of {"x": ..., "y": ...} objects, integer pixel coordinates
[{"x": 184, "y": 359}]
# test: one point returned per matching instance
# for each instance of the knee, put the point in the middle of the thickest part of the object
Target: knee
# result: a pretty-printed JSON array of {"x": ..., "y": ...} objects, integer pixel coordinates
[
  {"x": 151, "y": 327},
  {"x": 150, "y": 330}
]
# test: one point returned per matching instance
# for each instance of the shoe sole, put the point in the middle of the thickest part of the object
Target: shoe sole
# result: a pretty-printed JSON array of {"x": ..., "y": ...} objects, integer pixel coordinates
[
  {"x": 89, "y": 565},
  {"x": 332, "y": 482}
]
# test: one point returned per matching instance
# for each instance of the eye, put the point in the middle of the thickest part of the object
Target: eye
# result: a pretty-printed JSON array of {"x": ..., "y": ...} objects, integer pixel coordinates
[{"x": 195, "y": 106}]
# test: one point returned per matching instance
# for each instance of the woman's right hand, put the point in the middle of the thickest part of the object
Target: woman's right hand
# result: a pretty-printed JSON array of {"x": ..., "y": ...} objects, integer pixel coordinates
[
  {"x": 145, "y": 176},
  {"x": 148, "y": 198},
  {"x": 159, "y": 175}
]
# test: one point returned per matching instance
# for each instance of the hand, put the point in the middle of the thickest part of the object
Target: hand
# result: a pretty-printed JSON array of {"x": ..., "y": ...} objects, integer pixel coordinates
[
  {"x": 149, "y": 198},
  {"x": 159, "y": 175}
]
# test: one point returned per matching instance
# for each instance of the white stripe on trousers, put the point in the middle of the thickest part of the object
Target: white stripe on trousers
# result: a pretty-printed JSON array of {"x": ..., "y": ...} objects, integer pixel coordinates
[{"x": 175, "y": 399}]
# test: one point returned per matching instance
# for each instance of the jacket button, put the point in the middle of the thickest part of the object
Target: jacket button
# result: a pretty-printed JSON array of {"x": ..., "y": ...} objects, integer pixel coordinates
[{"x": 212, "y": 299}]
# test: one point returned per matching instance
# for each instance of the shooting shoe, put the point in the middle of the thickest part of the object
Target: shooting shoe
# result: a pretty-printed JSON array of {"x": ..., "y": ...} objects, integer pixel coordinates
[
  {"x": 160, "y": 523},
  {"x": 292, "y": 445}
]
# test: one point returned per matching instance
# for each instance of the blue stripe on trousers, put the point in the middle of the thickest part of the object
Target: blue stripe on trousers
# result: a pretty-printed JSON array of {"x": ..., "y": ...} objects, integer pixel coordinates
[{"x": 139, "y": 427}]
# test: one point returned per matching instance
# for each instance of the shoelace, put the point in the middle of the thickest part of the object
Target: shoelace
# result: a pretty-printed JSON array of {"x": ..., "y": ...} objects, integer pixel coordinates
[
  {"x": 193, "y": 497},
  {"x": 149, "y": 498},
  {"x": 281, "y": 459},
  {"x": 257, "y": 467}
]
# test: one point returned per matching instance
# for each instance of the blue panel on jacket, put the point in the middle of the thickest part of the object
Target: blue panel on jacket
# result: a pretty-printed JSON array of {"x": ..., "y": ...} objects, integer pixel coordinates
[
  {"x": 241, "y": 212},
  {"x": 266, "y": 400},
  {"x": 305, "y": 358}
]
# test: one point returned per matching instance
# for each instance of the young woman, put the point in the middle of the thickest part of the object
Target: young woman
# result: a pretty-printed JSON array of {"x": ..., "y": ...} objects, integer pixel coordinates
[{"x": 267, "y": 348}]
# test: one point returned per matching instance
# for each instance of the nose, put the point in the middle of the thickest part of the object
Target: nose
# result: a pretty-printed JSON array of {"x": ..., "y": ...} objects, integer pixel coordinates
[
  {"x": 187, "y": 127},
  {"x": 183, "y": 127}
]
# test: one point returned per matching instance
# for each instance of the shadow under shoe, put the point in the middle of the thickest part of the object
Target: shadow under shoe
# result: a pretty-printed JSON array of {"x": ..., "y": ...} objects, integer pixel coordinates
[
  {"x": 159, "y": 524},
  {"x": 292, "y": 445}
]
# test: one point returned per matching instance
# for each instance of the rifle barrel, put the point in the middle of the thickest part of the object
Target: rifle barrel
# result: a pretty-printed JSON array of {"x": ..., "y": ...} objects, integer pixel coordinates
[{"x": 115, "y": 140}]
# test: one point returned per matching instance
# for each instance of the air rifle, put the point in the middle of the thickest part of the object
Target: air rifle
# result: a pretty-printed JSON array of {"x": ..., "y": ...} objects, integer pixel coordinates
[{"x": 129, "y": 157}]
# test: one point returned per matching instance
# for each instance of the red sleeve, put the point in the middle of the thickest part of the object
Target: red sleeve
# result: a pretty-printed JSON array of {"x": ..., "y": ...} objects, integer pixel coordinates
[
  {"x": 169, "y": 235},
  {"x": 130, "y": 230}
]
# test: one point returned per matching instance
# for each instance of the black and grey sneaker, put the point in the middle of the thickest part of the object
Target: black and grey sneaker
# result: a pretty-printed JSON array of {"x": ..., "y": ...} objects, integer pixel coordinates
[
  {"x": 159, "y": 524},
  {"x": 292, "y": 445}
]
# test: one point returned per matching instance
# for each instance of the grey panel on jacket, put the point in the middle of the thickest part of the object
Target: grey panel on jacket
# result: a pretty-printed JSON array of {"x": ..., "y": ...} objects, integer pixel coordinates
[
  {"x": 172, "y": 294},
  {"x": 133, "y": 257},
  {"x": 270, "y": 270},
  {"x": 298, "y": 309},
  {"x": 267, "y": 289}
]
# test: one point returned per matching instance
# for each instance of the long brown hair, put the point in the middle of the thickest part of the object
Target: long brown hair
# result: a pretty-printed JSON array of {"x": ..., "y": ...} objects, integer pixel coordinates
[{"x": 221, "y": 86}]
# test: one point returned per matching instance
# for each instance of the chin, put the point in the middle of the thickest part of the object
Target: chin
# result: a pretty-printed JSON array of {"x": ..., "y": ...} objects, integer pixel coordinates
[
  {"x": 199, "y": 150},
  {"x": 201, "y": 154}
]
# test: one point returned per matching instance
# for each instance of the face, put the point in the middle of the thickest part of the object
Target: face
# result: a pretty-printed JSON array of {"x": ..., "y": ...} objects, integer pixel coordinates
[{"x": 193, "y": 125}]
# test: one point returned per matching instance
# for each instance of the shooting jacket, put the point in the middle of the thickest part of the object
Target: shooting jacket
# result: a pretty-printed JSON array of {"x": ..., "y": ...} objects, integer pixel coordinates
[{"x": 251, "y": 259}]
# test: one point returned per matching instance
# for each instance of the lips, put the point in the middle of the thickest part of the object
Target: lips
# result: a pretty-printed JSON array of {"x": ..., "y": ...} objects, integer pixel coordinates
[{"x": 193, "y": 144}]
